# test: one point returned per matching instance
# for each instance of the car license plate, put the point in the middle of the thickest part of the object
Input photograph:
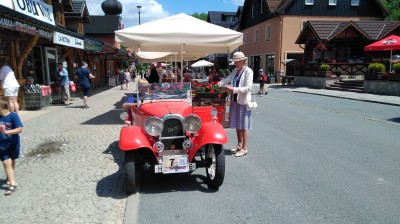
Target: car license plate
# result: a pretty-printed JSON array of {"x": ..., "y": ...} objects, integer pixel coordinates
[{"x": 174, "y": 164}]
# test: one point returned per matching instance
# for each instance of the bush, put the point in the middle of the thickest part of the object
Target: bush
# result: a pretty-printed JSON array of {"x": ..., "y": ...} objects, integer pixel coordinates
[
  {"x": 376, "y": 67},
  {"x": 227, "y": 71},
  {"x": 396, "y": 67},
  {"x": 324, "y": 67}
]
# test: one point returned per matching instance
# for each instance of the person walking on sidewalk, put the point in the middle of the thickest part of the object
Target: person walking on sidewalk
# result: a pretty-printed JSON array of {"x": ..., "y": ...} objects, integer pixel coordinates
[
  {"x": 262, "y": 79},
  {"x": 10, "y": 127},
  {"x": 10, "y": 86},
  {"x": 84, "y": 75},
  {"x": 64, "y": 83}
]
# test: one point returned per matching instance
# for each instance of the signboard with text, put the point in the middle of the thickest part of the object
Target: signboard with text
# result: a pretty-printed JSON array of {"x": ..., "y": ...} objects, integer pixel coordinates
[
  {"x": 63, "y": 39},
  {"x": 93, "y": 46},
  {"x": 36, "y": 9},
  {"x": 25, "y": 28}
]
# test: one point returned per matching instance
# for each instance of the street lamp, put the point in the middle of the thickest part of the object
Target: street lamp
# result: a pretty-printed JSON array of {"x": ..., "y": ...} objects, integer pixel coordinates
[{"x": 139, "y": 7}]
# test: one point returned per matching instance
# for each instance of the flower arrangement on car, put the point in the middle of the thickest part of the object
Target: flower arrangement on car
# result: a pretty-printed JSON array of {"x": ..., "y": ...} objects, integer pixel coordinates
[
  {"x": 207, "y": 94},
  {"x": 211, "y": 88}
]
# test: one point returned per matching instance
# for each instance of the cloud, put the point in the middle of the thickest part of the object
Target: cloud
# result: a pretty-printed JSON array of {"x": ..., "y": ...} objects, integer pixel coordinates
[{"x": 238, "y": 2}]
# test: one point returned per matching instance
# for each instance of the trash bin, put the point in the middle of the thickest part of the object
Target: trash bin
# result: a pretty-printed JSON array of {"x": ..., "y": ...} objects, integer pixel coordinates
[{"x": 271, "y": 79}]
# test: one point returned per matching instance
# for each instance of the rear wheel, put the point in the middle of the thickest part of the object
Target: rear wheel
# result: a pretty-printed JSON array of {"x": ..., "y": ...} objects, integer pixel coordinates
[
  {"x": 131, "y": 173},
  {"x": 215, "y": 167}
]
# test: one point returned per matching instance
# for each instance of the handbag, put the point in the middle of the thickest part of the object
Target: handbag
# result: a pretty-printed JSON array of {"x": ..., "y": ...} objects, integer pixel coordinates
[{"x": 252, "y": 105}]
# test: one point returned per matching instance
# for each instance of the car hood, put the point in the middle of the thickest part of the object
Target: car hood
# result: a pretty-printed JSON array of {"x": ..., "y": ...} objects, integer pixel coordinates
[{"x": 160, "y": 109}]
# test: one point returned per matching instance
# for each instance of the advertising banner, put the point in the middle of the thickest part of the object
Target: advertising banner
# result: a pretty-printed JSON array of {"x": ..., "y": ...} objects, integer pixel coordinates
[{"x": 36, "y": 9}]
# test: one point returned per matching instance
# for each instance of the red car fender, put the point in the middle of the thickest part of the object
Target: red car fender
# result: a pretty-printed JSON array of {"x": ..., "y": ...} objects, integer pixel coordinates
[
  {"x": 209, "y": 133},
  {"x": 132, "y": 137}
]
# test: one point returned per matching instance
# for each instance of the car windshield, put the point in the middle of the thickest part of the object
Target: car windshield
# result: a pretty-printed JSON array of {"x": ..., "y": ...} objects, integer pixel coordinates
[{"x": 180, "y": 91}]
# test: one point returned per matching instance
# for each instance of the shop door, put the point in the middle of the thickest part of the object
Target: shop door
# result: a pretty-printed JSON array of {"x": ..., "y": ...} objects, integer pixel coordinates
[{"x": 51, "y": 65}]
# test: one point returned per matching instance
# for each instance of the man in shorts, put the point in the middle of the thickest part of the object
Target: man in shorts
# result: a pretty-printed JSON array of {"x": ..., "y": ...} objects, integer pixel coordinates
[
  {"x": 10, "y": 86},
  {"x": 84, "y": 75}
]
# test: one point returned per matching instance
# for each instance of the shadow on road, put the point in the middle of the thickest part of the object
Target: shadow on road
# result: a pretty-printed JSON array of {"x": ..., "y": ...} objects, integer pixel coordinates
[
  {"x": 163, "y": 183},
  {"x": 112, "y": 185},
  {"x": 150, "y": 183},
  {"x": 395, "y": 119},
  {"x": 110, "y": 117}
]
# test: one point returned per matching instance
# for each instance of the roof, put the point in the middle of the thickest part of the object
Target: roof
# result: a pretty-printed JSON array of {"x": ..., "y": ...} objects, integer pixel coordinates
[
  {"x": 220, "y": 18},
  {"x": 327, "y": 30},
  {"x": 279, "y": 6},
  {"x": 80, "y": 10},
  {"x": 106, "y": 24}
]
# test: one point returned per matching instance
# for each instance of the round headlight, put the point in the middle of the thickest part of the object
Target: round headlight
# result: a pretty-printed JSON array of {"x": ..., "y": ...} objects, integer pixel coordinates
[
  {"x": 154, "y": 126},
  {"x": 192, "y": 123},
  {"x": 214, "y": 112}
]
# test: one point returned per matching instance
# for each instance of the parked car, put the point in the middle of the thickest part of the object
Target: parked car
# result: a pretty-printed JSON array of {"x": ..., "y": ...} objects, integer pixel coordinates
[{"x": 166, "y": 134}]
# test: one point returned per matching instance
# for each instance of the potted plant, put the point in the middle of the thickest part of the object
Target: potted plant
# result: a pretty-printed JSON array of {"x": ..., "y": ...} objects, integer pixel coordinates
[
  {"x": 395, "y": 76},
  {"x": 375, "y": 71},
  {"x": 338, "y": 73},
  {"x": 324, "y": 71}
]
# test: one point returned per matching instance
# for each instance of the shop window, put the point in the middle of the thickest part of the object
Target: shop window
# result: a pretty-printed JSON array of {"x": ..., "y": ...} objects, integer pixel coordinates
[
  {"x": 268, "y": 33},
  {"x": 309, "y": 2},
  {"x": 355, "y": 2},
  {"x": 255, "y": 36},
  {"x": 270, "y": 62}
]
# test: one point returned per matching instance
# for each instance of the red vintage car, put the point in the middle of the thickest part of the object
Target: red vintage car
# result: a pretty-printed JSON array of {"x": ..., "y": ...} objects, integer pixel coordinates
[{"x": 165, "y": 133}]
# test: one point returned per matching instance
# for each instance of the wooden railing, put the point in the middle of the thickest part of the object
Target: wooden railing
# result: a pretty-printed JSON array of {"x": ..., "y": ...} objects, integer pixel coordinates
[{"x": 345, "y": 68}]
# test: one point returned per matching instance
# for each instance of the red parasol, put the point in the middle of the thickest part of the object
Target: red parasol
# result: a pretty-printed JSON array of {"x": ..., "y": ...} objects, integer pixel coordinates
[{"x": 389, "y": 43}]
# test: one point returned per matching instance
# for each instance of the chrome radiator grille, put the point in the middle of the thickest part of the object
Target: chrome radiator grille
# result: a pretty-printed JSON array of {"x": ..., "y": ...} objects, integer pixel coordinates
[{"x": 172, "y": 128}]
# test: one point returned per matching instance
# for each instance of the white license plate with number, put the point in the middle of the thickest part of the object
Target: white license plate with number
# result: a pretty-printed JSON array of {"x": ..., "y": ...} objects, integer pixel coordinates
[{"x": 174, "y": 164}]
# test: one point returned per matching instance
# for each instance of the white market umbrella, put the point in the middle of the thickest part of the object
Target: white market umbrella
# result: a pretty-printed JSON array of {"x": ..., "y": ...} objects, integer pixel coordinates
[
  {"x": 202, "y": 63},
  {"x": 180, "y": 33},
  {"x": 151, "y": 56}
]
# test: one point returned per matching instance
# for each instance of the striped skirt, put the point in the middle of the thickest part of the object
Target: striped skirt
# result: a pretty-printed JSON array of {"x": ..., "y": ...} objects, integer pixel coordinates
[{"x": 239, "y": 117}]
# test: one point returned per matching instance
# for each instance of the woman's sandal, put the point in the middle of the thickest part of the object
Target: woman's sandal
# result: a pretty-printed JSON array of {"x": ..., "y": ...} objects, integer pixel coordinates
[
  {"x": 237, "y": 149},
  {"x": 242, "y": 152},
  {"x": 11, "y": 189}
]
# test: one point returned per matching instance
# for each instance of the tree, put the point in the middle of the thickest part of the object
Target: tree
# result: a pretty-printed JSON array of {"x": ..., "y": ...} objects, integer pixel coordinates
[
  {"x": 202, "y": 16},
  {"x": 393, "y": 6}
]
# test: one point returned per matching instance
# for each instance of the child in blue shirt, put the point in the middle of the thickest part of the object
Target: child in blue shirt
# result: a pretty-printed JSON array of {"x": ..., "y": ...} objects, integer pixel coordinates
[{"x": 10, "y": 127}]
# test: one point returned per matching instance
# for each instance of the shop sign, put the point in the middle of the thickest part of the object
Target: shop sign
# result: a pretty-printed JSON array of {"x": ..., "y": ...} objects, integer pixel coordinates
[
  {"x": 93, "y": 46},
  {"x": 25, "y": 28},
  {"x": 7, "y": 3},
  {"x": 36, "y": 9},
  {"x": 63, "y": 39}
]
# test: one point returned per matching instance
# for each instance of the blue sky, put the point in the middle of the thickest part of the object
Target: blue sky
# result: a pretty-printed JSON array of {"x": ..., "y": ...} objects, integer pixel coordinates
[{"x": 157, "y": 9}]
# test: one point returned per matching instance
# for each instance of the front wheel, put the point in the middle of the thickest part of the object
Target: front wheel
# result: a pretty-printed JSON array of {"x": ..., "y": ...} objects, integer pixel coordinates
[
  {"x": 215, "y": 168},
  {"x": 131, "y": 173}
]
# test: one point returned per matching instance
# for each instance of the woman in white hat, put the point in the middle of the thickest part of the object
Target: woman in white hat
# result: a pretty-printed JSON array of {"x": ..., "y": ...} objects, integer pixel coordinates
[{"x": 241, "y": 80}]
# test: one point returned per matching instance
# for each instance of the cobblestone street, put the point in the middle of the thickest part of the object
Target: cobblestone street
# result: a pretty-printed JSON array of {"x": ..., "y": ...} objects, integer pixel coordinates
[{"x": 69, "y": 170}]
